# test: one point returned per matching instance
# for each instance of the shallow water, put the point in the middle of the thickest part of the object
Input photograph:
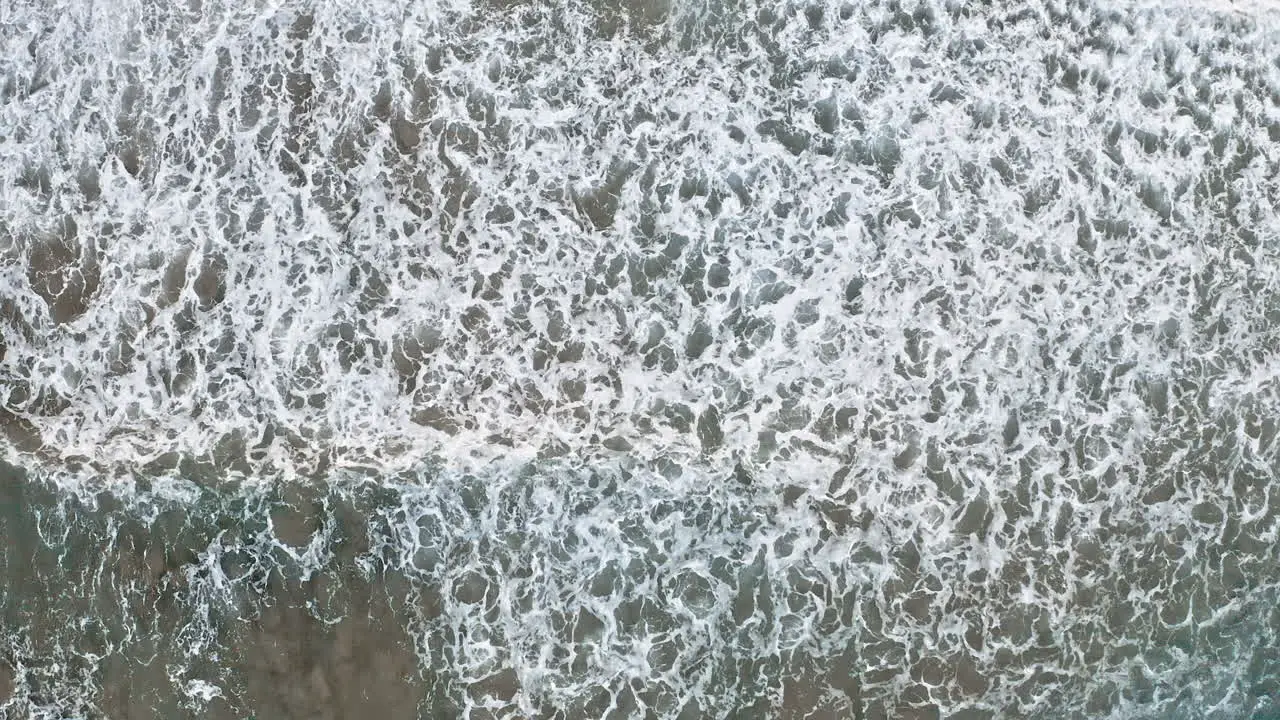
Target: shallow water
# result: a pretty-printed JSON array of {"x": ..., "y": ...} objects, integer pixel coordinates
[{"x": 672, "y": 360}]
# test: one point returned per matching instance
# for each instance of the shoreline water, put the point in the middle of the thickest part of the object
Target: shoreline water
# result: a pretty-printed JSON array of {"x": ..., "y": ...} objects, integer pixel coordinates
[
  {"x": 722, "y": 359},
  {"x": 312, "y": 601}
]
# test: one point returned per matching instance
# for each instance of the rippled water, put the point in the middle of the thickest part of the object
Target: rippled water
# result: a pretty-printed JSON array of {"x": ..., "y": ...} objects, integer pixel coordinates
[{"x": 711, "y": 359}]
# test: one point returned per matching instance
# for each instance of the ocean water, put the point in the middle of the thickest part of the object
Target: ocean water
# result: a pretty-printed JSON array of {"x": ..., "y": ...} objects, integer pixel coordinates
[{"x": 661, "y": 359}]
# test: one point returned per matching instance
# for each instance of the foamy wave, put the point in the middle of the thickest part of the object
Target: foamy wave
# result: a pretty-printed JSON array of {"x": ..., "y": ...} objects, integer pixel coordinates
[
  {"x": 1006, "y": 280},
  {"x": 469, "y": 228}
]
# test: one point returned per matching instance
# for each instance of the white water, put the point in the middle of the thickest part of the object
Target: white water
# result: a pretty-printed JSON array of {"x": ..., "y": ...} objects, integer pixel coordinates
[{"x": 995, "y": 286}]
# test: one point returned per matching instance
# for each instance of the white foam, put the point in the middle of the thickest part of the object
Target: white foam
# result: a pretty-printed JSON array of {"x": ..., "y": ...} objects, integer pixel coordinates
[{"x": 997, "y": 285}]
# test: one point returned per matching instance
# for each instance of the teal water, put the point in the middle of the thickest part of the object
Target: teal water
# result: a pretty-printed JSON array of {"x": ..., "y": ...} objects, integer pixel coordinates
[{"x": 560, "y": 593}]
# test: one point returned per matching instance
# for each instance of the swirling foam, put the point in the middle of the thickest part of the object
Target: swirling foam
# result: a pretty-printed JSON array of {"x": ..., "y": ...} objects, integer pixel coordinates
[{"x": 990, "y": 296}]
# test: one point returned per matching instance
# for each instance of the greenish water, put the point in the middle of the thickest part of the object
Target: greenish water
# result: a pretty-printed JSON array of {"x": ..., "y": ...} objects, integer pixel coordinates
[{"x": 432, "y": 594}]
